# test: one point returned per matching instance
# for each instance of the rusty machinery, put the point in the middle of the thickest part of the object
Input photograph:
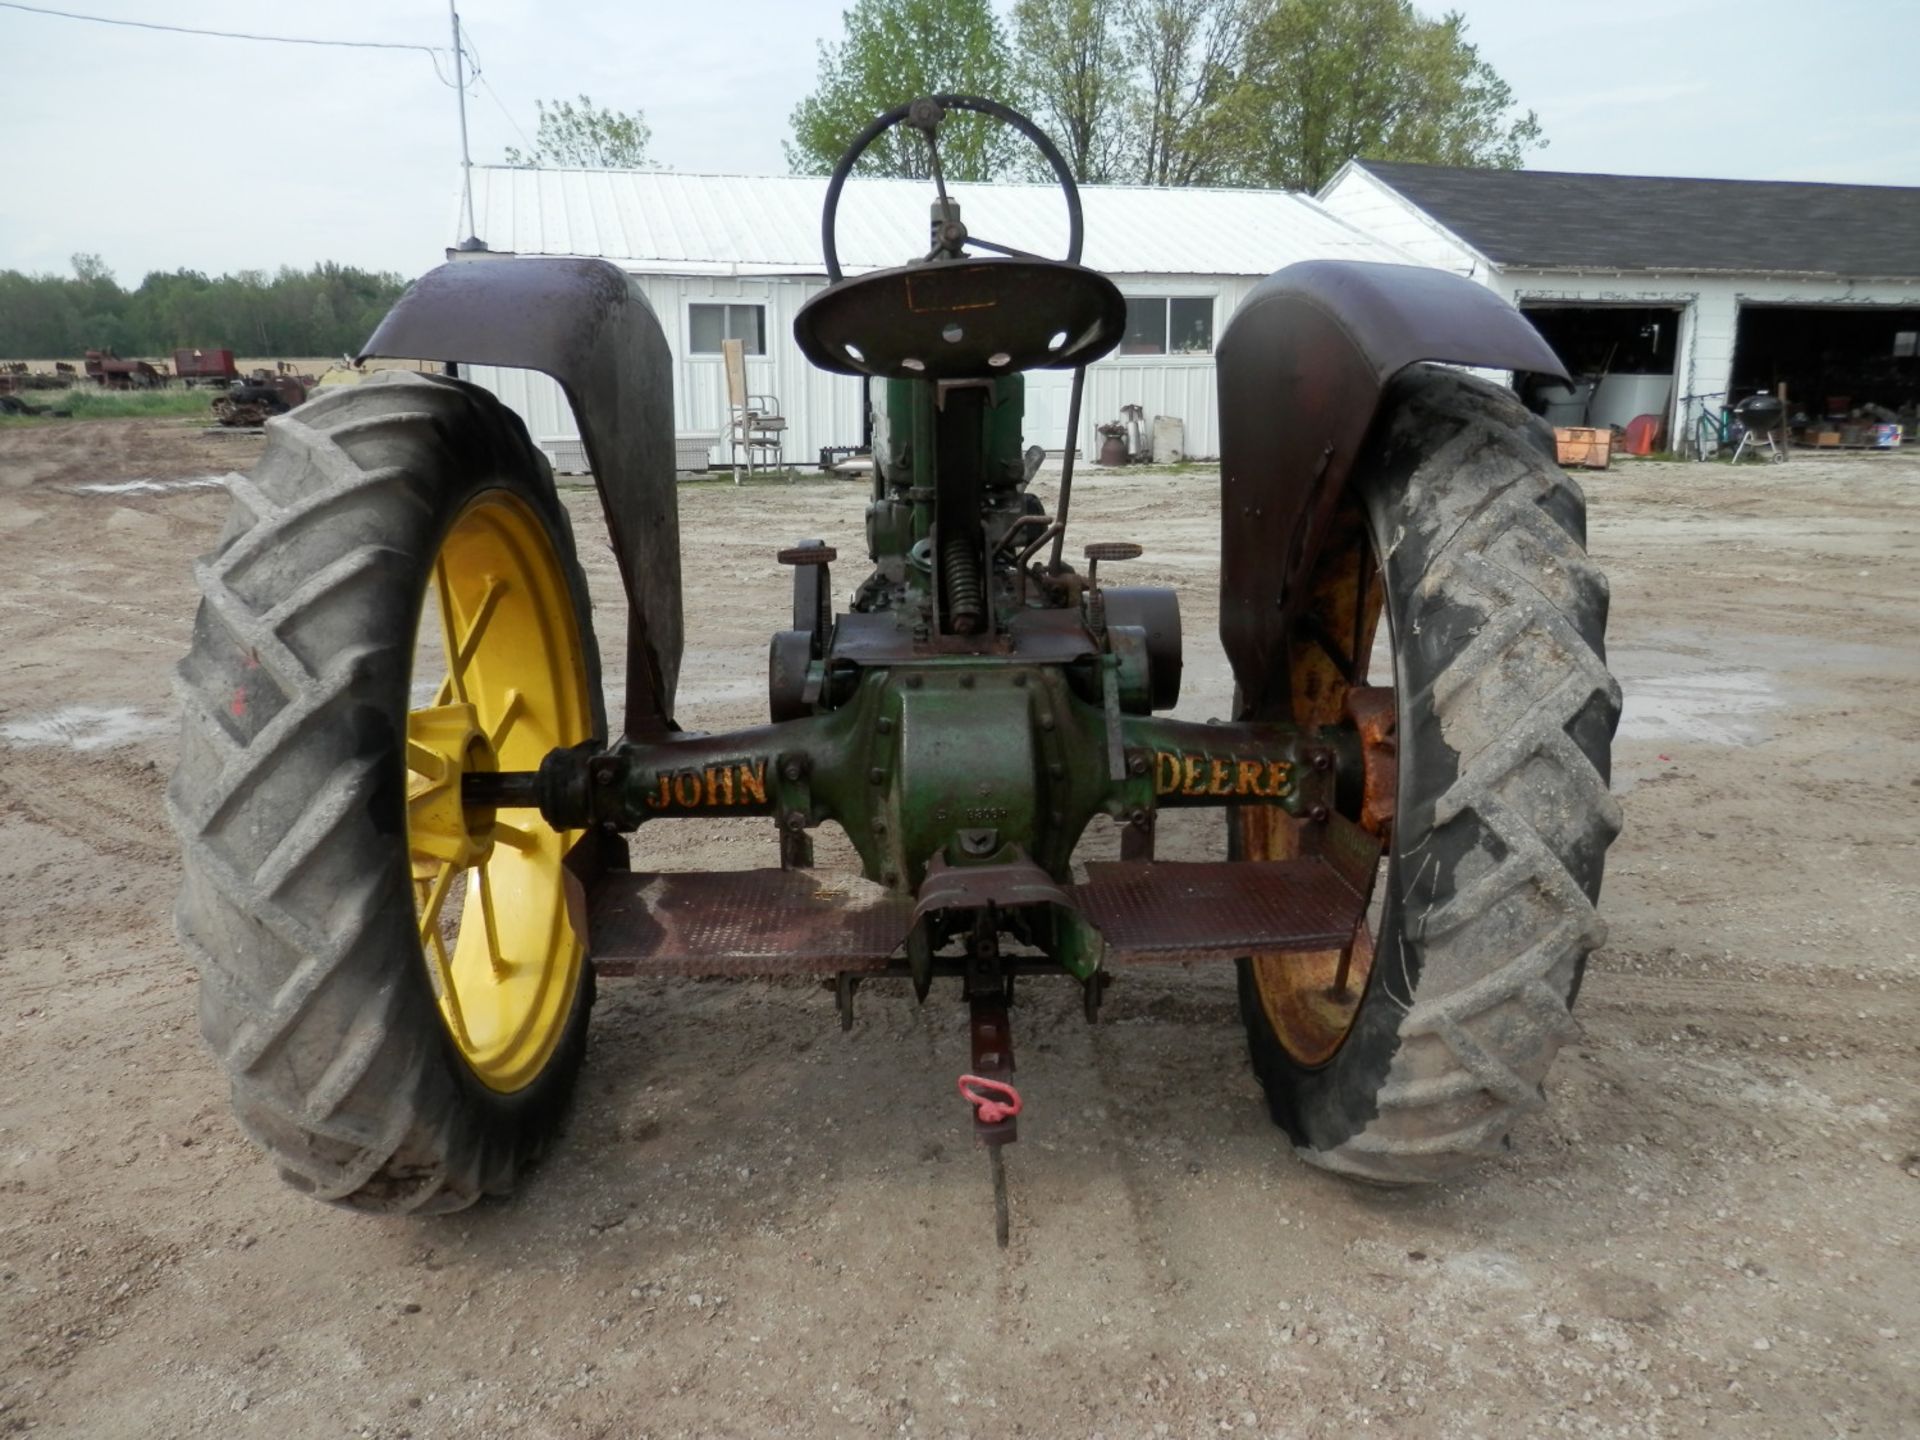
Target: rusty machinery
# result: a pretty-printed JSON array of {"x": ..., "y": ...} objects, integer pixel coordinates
[
  {"x": 404, "y": 809},
  {"x": 108, "y": 370},
  {"x": 260, "y": 396}
]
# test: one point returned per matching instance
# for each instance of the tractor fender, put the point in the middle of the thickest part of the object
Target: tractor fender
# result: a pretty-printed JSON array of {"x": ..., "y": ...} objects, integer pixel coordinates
[
  {"x": 1301, "y": 368},
  {"x": 587, "y": 324}
]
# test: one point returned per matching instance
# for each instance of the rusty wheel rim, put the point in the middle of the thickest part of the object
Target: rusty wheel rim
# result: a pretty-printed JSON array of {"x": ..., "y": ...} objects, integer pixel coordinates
[{"x": 1311, "y": 1001}]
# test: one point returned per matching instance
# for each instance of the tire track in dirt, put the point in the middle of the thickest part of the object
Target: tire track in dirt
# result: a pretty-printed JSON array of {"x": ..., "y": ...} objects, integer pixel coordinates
[{"x": 110, "y": 801}]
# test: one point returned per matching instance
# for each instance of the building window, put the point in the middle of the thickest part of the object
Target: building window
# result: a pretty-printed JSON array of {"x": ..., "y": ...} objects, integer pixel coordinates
[
  {"x": 708, "y": 325},
  {"x": 1906, "y": 344},
  {"x": 1169, "y": 325}
]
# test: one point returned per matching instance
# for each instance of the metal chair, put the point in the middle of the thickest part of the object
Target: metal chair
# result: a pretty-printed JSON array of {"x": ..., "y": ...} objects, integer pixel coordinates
[{"x": 755, "y": 426}]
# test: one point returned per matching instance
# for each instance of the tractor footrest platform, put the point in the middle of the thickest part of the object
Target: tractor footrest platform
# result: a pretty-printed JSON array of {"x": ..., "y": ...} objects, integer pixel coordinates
[
  {"x": 1156, "y": 912},
  {"x": 743, "y": 922}
]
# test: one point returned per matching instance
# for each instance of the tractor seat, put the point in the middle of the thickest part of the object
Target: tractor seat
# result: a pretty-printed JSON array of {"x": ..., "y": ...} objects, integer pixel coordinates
[{"x": 962, "y": 319}]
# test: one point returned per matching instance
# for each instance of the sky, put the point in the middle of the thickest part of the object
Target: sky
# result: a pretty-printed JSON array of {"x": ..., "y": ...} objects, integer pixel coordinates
[{"x": 159, "y": 151}]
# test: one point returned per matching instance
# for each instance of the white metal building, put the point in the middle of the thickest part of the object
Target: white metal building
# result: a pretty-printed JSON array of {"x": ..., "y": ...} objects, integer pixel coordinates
[
  {"x": 725, "y": 256},
  {"x": 1675, "y": 287}
]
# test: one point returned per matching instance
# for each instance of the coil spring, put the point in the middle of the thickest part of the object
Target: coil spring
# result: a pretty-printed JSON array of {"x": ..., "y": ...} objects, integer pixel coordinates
[{"x": 966, "y": 598}]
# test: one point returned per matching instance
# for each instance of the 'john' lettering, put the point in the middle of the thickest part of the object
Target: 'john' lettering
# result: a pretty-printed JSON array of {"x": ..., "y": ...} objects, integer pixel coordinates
[{"x": 716, "y": 787}]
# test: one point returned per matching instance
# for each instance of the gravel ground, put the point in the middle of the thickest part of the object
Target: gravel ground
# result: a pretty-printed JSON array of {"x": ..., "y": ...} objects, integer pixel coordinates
[{"x": 759, "y": 1226}]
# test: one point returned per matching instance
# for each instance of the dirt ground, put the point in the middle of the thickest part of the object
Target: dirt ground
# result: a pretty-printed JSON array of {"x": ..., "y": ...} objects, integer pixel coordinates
[{"x": 759, "y": 1226}]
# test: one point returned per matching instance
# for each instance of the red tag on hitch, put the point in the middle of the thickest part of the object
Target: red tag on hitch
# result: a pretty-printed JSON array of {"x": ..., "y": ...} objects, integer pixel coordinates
[{"x": 993, "y": 1101}]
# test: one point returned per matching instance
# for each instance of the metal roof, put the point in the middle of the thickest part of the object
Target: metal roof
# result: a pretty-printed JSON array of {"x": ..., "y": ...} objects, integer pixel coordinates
[
  {"x": 1550, "y": 219},
  {"x": 768, "y": 225}
]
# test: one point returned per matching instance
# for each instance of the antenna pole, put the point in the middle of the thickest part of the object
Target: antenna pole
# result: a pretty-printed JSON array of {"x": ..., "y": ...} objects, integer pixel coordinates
[{"x": 460, "y": 90}]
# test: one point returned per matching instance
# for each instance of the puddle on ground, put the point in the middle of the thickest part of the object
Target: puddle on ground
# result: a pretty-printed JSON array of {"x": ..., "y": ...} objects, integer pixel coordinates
[
  {"x": 146, "y": 487},
  {"x": 87, "y": 727},
  {"x": 1676, "y": 692},
  {"x": 1715, "y": 707}
]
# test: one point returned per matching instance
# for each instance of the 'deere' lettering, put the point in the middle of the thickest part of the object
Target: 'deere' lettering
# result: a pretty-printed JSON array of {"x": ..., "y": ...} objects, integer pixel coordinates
[{"x": 1176, "y": 773}]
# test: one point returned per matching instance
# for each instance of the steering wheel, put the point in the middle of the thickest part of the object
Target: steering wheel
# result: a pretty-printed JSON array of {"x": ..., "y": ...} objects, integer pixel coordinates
[
  {"x": 949, "y": 315},
  {"x": 925, "y": 116}
]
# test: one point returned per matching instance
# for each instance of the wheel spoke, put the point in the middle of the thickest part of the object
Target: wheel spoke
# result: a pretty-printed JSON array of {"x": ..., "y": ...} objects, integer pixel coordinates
[
  {"x": 515, "y": 707},
  {"x": 449, "y": 631},
  {"x": 429, "y": 764},
  {"x": 494, "y": 957},
  {"x": 1002, "y": 249},
  {"x": 432, "y": 902},
  {"x": 436, "y": 899},
  {"x": 489, "y": 602},
  {"x": 461, "y": 648},
  {"x": 449, "y": 995},
  {"x": 514, "y": 838}
]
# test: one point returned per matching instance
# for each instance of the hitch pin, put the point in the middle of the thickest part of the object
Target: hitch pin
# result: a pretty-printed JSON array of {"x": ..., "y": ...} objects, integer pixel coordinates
[{"x": 995, "y": 1103}]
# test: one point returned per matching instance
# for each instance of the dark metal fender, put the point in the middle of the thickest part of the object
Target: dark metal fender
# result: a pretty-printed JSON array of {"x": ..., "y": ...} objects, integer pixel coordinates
[
  {"x": 587, "y": 324},
  {"x": 1302, "y": 366}
]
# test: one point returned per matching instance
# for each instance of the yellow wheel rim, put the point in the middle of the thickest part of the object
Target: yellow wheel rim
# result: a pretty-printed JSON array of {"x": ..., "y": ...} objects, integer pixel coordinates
[{"x": 505, "y": 680}]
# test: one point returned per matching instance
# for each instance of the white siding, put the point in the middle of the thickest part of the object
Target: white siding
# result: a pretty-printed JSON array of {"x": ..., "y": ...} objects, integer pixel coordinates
[
  {"x": 695, "y": 238},
  {"x": 1709, "y": 305},
  {"x": 1373, "y": 208},
  {"x": 1522, "y": 288},
  {"x": 1178, "y": 385},
  {"x": 824, "y": 409},
  {"x": 1710, "y": 314},
  {"x": 1721, "y": 299}
]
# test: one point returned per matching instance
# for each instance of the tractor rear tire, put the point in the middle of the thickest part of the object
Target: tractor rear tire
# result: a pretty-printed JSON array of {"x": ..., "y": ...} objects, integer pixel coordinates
[
  {"x": 291, "y": 799},
  {"x": 1505, "y": 717}
]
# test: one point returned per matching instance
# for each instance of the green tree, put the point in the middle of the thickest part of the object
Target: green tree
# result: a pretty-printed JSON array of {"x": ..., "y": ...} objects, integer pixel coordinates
[
  {"x": 893, "y": 51},
  {"x": 1190, "y": 59},
  {"x": 327, "y": 310},
  {"x": 1328, "y": 80},
  {"x": 586, "y": 136},
  {"x": 90, "y": 269},
  {"x": 1072, "y": 67}
]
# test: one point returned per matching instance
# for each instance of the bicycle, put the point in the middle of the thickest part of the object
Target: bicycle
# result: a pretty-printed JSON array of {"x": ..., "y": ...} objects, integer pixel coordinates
[
  {"x": 1713, "y": 431},
  {"x": 1722, "y": 428}
]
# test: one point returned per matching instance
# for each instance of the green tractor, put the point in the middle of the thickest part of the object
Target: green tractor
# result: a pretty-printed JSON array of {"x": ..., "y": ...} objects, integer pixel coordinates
[{"x": 403, "y": 806}]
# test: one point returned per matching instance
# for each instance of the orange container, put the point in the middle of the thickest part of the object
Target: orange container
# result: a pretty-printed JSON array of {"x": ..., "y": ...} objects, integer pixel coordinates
[
  {"x": 1645, "y": 434},
  {"x": 1584, "y": 446}
]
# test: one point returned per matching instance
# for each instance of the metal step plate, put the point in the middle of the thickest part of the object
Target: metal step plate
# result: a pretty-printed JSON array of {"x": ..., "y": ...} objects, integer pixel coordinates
[
  {"x": 732, "y": 923},
  {"x": 743, "y": 922},
  {"x": 1158, "y": 912}
]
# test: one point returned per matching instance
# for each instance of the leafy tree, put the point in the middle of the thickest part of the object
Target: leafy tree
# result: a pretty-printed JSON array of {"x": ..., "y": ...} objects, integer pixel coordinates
[
  {"x": 1072, "y": 66},
  {"x": 894, "y": 51},
  {"x": 90, "y": 269},
  {"x": 328, "y": 310},
  {"x": 1191, "y": 58},
  {"x": 1213, "y": 92},
  {"x": 1328, "y": 80},
  {"x": 586, "y": 136}
]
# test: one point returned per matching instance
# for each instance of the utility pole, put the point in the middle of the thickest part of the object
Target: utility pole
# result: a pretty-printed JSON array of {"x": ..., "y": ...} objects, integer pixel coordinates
[{"x": 466, "y": 161}]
